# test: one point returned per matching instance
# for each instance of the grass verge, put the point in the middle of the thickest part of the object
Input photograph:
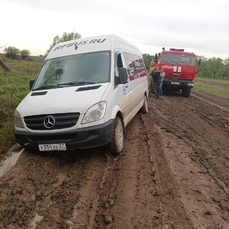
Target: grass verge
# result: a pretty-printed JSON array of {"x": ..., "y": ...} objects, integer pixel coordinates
[
  {"x": 216, "y": 80},
  {"x": 212, "y": 89},
  {"x": 14, "y": 86}
]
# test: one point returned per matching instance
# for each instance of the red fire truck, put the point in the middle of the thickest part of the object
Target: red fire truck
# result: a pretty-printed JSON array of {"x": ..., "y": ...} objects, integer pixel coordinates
[{"x": 179, "y": 67}]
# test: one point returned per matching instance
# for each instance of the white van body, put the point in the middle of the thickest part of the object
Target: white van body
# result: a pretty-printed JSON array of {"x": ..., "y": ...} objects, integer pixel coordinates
[{"x": 79, "y": 98}]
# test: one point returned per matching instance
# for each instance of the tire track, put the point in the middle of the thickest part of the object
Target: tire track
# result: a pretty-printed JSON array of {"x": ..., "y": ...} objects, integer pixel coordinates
[
  {"x": 207, "y": 142},
  {"x": 214, "y": 101},
  {"x": 131, "y": 200},
  {"x": 200, "y": 148},
  {"x": 174, "y": 214}
]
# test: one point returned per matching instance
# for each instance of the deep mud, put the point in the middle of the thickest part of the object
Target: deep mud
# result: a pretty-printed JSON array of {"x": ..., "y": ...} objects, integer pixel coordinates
[{"x": 173, "y": 173}]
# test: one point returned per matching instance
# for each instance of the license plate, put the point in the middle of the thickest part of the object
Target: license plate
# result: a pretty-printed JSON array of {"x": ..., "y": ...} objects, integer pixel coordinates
[
  {"x": 52, "y": 147},
  {"x": 177, "y": 83}
]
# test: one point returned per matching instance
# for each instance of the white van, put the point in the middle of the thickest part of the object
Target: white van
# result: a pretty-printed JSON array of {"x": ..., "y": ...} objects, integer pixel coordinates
[{"x": 85, "y": 94}]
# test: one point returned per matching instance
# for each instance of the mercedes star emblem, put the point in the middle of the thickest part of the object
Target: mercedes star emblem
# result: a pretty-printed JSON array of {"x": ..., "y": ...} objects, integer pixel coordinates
[{"x": 49, "y": 122}]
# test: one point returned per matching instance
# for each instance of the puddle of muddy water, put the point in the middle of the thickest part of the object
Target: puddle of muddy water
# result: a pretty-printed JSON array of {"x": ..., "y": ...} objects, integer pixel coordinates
[{"x": 10, "y": 161}]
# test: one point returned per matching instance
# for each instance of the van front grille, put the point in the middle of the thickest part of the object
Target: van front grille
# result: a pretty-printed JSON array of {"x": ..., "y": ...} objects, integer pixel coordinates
[{"x": 51, "y": 121}]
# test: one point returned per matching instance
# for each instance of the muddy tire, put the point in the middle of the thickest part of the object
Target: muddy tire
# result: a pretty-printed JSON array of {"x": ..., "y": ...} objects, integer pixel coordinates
[
  {"x": 117, "y": 142},
  {"x": 145, "y": 108},
  {"x": 186, "y": 91}
]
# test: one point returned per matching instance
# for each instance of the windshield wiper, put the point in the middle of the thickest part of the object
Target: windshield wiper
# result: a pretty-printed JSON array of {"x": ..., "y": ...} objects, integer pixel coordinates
[
  {"x": 45, "y": 87},
  {"x": 82, "y": 83},
  {"x": 176, "y": 62},
  {"x": 75, "y": 83},
  {"x": 179, "y": 62}
]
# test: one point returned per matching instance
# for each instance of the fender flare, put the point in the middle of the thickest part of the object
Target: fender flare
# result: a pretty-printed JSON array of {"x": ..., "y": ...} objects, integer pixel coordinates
[{"x": 116, "y": 109}]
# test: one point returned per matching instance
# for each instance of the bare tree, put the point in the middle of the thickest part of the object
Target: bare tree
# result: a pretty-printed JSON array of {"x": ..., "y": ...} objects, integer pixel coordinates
[{"x": 4, "y": 66}]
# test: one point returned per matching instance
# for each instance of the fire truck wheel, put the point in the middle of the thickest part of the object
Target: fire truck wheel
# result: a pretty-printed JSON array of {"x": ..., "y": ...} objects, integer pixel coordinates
[{"x": 186, "y": 91}]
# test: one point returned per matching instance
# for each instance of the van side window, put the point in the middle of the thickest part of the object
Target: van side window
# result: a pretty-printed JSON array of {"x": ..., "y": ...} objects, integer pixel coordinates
[
  {"x": 117, "y": 64},
  {"x": 135, "y": 66}
]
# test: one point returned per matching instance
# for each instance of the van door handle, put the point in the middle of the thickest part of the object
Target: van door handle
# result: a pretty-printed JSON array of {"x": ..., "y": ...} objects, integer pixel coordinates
[{"x": 127, "y": 86}]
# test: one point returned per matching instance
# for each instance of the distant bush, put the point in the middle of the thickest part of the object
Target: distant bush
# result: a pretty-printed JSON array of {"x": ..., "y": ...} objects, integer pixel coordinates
[
  {"x": 25, "y": 53},
  {"x": 12, "y": 52}
]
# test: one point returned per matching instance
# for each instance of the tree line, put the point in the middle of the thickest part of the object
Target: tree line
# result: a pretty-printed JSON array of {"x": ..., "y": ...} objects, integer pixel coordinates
[
  {"x": 213, "y": 67},
  {"x": 13, "y": 52}
]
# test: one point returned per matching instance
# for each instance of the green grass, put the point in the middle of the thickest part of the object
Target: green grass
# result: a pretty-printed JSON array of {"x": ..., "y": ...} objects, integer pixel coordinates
[
  {"x": 14, "y": 86},
  {"x": 217, "y": 80},
  {"x": 213, "y": 90}
]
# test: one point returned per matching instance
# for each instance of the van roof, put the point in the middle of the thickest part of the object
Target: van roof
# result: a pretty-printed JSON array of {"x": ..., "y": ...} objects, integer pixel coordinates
[{"x": 91, "y": 44}]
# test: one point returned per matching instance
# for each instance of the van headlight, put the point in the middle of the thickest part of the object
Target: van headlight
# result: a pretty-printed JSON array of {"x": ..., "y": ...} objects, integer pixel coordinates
[
  {"x": 95, "y": 113},
  {"x": 18, "y": 120}
]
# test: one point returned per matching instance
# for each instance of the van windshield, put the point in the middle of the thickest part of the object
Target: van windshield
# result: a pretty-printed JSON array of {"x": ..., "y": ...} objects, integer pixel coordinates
[
  {"x": 81, "y": 69},
  {"x": 174, "y": 58}
]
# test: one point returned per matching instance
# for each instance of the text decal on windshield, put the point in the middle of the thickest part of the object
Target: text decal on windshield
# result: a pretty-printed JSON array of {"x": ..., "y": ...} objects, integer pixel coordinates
[{"x": 76, "y": 44}]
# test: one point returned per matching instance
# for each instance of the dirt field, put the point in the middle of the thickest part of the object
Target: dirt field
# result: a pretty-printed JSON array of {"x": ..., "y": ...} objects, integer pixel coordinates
[{"x": 173, "y": 173}]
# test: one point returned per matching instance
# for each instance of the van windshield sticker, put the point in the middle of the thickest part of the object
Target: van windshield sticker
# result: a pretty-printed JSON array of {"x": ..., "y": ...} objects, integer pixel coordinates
[{"x": 76, "y": 44}]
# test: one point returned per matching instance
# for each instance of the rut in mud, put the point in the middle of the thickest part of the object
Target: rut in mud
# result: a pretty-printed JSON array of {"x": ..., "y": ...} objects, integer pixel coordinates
[{"x": 173, "y": 173}]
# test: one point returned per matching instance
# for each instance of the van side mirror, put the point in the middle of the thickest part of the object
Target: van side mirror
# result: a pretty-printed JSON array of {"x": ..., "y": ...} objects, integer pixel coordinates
[
  {"x": 199, "y": 61},
  {"x": 31, "y": 82},
  {"x": 123, "y": 75}
]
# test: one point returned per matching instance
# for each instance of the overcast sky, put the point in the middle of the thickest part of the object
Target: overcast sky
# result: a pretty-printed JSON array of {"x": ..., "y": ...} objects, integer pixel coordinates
[{"x": 199, "y": 26}]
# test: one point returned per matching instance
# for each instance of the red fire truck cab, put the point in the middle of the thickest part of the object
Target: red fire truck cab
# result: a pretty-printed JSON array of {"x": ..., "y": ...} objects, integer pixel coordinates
[{"x": 179, "y": 67}]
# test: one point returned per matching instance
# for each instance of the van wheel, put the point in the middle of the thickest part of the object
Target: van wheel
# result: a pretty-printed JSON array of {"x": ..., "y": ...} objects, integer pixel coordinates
[
  {"x": 186, "y": 91},
  {"x": 145, "y": 108},
  {"x": 117, "y": 142}
]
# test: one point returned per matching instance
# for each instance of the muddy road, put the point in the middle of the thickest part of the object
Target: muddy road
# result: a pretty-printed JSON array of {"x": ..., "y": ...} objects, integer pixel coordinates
[{"x": 173, "y": 173}]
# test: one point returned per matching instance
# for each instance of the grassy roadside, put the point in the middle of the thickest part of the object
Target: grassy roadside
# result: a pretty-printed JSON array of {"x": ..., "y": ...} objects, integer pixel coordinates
[
  {"x": 224, "y": 81},
  {"x": 218, "y": 87},
  {"x": 213, "y": 90},
  {"x": 14, "y": 86}
]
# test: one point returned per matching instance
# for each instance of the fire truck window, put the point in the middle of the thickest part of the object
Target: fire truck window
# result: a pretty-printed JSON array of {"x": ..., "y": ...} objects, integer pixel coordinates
[
  {"x": 185, "y": 59},
  {"x": 178, "y": 59}
]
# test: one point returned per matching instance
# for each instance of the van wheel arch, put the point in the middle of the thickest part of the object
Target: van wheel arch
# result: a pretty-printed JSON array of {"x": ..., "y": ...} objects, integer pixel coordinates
[
  {"x": 145, "y": 108},
  {"x": 117, "y": 142}
]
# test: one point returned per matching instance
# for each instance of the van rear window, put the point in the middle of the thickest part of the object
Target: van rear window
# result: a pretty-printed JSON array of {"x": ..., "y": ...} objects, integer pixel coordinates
[{"x": 135, "y": 66}]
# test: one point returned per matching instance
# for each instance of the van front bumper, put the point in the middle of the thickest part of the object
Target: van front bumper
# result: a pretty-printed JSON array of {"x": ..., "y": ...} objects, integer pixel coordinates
[{"x": 76, "y": 139}]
